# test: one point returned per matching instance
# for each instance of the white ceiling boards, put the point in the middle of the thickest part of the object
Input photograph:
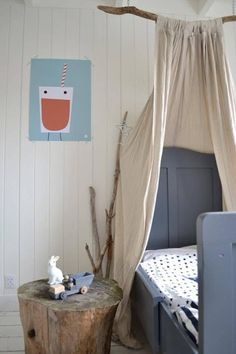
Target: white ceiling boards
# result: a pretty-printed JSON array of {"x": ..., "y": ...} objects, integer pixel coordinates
[
  {"x": 199, "y": 6},
  {"x": 69, "y": 3},
  {"x": 192, "y": 7}
]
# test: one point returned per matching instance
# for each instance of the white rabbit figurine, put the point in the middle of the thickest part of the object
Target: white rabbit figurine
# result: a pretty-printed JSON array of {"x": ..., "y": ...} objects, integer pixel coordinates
[{"x": 55, "y": 274}]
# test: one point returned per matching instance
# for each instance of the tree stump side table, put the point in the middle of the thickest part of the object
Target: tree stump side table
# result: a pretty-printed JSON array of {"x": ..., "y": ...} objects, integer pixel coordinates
[{"x": 80, "y": 324}]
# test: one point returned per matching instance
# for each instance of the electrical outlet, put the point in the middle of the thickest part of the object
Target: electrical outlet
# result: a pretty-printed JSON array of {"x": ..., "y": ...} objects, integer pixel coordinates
[{"x": 10, "y": 281}]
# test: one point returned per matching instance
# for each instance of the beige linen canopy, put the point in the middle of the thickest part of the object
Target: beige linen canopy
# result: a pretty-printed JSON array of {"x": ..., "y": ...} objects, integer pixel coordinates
[{"x": 192, "y": 106}]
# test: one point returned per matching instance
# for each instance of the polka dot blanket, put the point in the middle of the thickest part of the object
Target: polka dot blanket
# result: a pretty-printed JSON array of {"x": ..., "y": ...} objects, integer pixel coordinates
[{"x": 174, "y": 273}]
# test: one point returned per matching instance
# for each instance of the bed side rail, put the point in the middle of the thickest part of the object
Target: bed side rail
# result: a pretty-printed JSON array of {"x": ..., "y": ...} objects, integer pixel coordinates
[
  {"x": 216, "y": 238},
  {"x": 145, "y": 300}
]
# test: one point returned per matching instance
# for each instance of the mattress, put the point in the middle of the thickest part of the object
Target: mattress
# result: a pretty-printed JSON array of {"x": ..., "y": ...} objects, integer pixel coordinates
[{"x": 174, "y": 274}]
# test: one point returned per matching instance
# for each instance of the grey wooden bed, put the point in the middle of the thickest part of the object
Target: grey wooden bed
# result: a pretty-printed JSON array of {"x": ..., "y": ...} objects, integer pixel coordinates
[{"x": 187, "y": 209}]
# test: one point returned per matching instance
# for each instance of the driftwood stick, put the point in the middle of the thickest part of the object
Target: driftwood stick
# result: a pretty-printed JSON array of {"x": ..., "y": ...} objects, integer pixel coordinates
[
  {"x": 99, "y": 266},
  {"x": 117, "y": 167},
  {"x": 128, "y": 10},
  {"x": 109, "y": 244},
  {"x": 90, "y": 258},
  {"x": 94, "y": 222},
  {"x": 145, "y": 14},
  {"x": 110, "y": 213},
  {"x": 231, "y": 18},
  {"x": 108, "y": 247},
  {"x": 97, "y": 269}
]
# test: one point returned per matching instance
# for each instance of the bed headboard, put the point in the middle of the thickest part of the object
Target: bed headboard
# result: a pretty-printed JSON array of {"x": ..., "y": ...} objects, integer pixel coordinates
[{"x": 189, "y": 185}]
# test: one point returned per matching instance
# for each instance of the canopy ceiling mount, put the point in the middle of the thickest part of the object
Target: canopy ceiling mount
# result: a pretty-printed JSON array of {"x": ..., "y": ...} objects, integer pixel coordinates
[{"x": 145, "y": 14}]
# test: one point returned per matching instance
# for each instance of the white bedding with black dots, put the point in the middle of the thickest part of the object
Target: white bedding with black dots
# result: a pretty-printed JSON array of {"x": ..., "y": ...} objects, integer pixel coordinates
[{"x": 174, "y": 273}]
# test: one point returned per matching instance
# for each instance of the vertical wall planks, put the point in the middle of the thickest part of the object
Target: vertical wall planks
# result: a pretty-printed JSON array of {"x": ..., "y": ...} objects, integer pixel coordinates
[
  {"x": 70, "y": 211},
  {"x": 4, "y": 40},
  {"x": 71, "y": 198},
  {"x": 100, "y": 119},
  {"x": 128, "y": 67},
  {"x": 151, "y": 52},
  {"x": 141, "y": 65},
  {"x": 27, "y": 153},
  {"x": 44, "y": 186},
  {"x": 114, "y": 111},
  {"x": 12, "y": 142},
  {"x": 42, "y": 163},
  {"x": 57, "y": 152},
  {"x": 85, "y": 161}
]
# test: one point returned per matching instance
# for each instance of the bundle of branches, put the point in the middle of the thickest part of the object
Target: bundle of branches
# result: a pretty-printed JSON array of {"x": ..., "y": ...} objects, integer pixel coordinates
[{"x": 97, "y": 260}]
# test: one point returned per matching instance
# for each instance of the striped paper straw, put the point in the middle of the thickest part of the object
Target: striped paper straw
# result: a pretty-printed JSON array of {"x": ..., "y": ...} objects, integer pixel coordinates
[{"x": 63, "y": 75}]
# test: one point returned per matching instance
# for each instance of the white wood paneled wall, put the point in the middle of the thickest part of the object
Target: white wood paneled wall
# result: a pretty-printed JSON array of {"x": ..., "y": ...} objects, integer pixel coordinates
[{"x": 44, "y": 196}]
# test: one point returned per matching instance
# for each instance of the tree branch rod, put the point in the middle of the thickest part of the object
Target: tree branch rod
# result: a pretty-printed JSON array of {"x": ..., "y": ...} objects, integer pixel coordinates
[{"x": 145, "y": 14}]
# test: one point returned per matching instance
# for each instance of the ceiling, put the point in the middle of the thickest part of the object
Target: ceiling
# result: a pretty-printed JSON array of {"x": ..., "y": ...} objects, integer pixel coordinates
[
  {"x": 70, "y": 3},
  {"x": 199, "y": 6},
  {"x": 204, "y": 5}
]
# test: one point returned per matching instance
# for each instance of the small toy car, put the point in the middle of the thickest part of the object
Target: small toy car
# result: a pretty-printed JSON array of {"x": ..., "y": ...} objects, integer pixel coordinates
[{"x": 72, "y": 284}]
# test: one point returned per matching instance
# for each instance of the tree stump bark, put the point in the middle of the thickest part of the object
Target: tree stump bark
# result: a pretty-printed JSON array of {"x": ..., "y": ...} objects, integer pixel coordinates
[{"x": 80, "y": 324}]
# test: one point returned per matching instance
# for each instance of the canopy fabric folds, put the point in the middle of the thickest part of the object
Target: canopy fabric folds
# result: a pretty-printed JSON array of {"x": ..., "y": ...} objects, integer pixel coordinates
[{"x": 192, "y": 106}]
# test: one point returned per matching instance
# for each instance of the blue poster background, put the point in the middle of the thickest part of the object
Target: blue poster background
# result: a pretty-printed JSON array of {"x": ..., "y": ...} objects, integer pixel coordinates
[{"x": 48, "y": 72}]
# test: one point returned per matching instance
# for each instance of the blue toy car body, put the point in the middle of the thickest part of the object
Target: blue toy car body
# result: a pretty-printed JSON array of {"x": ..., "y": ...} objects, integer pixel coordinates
[{"x": 72, "y": 284}]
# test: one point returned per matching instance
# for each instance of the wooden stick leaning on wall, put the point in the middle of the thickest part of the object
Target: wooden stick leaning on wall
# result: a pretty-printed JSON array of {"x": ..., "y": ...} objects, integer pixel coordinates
[
  {"x": 110, "y": 214},
  {"x": 145, "y": 14},
  {"x": 108, "y": 247}
]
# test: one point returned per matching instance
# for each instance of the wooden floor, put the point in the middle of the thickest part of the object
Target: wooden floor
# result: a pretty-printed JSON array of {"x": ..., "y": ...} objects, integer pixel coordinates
[{"x": 11, "y": 337}]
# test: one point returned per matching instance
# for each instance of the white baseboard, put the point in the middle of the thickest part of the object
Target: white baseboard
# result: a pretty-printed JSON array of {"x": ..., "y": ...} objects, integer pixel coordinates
[{"x": 9, "y": 303}]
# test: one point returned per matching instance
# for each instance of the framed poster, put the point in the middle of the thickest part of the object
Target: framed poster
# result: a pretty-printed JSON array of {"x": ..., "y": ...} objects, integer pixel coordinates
[{"x": 60, "y": 100}]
